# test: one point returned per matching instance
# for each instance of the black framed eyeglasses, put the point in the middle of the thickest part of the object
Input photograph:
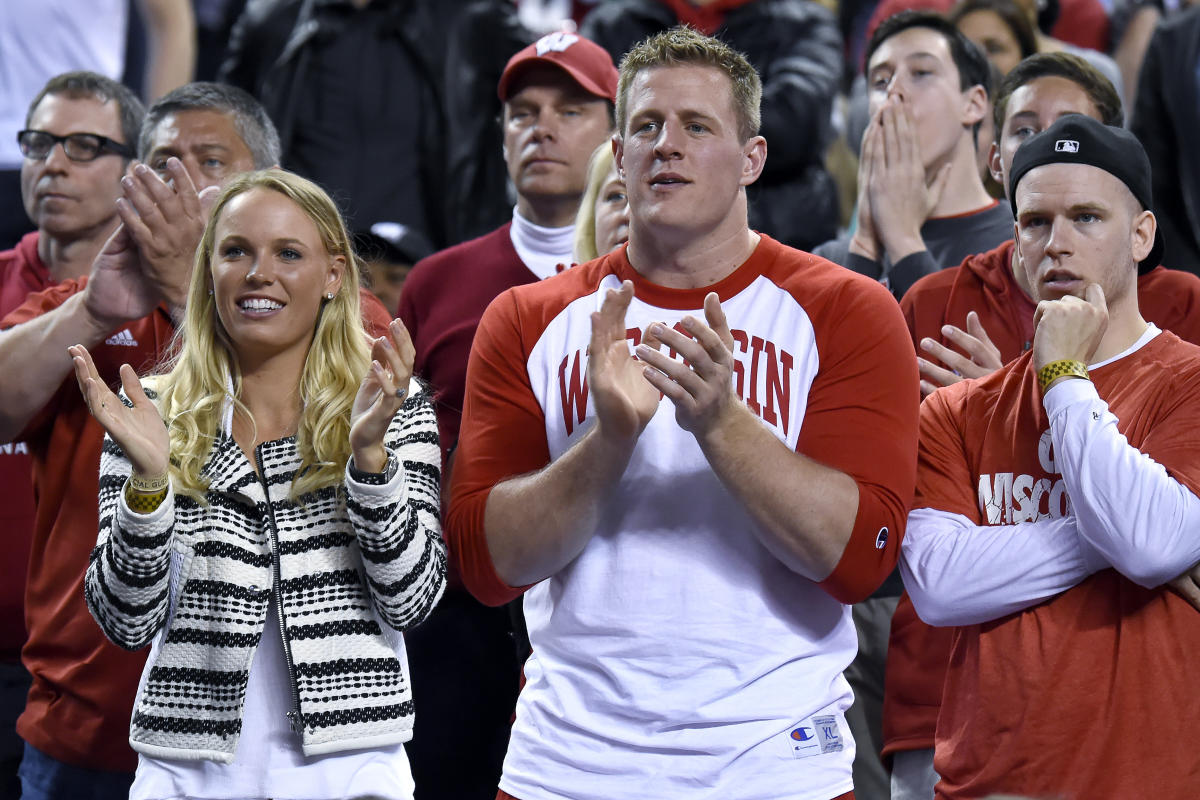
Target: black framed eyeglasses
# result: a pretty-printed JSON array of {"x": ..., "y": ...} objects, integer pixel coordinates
[{"x": 78, "y": 146}]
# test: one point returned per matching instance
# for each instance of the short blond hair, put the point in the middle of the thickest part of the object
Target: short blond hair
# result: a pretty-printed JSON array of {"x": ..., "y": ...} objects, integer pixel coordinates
[{"x": 682, "y": 46}]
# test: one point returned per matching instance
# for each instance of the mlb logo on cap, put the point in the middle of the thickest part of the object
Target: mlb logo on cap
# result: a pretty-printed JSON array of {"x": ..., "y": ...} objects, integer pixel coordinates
[{"x": 1066, "y": 146}]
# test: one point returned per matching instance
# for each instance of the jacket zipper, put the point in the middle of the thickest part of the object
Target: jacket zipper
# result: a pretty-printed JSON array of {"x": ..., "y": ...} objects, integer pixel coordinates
[{"x": 295, "y": 719}]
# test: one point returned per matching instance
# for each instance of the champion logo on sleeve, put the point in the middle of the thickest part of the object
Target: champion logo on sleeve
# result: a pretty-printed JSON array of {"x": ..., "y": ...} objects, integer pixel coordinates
[{"x": 122, "y": 339}]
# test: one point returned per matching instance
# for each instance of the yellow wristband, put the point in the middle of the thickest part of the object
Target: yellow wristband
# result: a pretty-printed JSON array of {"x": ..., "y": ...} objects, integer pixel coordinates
[
  {"x": 144, "y": 502},
  {"x": 1057, "y": 369},
  {"x": 152, "y": 485}
]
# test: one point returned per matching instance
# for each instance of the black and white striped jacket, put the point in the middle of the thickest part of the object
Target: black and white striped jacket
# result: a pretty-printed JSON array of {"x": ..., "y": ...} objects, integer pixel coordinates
[{"x": 350, "y": 567}]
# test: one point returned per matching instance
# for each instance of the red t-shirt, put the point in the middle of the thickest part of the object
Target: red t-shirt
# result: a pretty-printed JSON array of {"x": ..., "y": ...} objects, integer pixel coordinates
[
  {"x": 83, "y": 688},
  {"x": 984, "y": 283},
  {"x": 21, "y": 272},
  {"x": 1090, "y": 694}
]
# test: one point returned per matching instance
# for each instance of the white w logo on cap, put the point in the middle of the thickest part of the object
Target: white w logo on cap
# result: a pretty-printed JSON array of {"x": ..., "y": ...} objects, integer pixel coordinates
[{"x": 557, "y": 42}]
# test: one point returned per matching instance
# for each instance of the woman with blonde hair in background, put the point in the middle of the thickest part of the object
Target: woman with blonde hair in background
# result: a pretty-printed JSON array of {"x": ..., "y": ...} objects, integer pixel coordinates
[
  {"x": 602, "y": 222},
  {"x": 269, "y": 518}
]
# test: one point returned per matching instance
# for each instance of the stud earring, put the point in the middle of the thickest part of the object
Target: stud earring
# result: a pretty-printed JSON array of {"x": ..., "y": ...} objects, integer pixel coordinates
[{"x": 329, "y": 295}]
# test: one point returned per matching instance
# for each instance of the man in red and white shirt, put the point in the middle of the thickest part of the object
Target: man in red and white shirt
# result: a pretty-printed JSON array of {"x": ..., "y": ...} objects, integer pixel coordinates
[
  {"x": 1056, "y": 496},
  {"x": 689, "y": 524}
]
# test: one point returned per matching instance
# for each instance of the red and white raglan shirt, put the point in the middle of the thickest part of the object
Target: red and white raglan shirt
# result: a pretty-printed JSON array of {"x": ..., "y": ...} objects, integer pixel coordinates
[
  {"x": 1067, "y": 677},
  {"x": 675, "y": 656}
]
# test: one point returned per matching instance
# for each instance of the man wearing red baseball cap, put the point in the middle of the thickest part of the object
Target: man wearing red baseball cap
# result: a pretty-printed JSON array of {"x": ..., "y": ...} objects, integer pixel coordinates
[{"x": 558, "y": 96}]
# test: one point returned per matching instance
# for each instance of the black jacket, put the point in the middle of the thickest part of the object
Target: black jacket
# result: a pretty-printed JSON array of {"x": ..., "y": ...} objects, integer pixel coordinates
[
  {"x": 270, "y": 54},
  {"x": 483, "y": 37},
  {"x": 797, "y": 49},
  {"x": 1166, "y": 119}
]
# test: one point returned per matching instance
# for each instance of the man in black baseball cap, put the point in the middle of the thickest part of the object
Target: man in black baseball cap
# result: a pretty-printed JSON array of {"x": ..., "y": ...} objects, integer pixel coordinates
[
  {"x": 1077, "y": 139},
  {"x": 1057, "y": 498}
]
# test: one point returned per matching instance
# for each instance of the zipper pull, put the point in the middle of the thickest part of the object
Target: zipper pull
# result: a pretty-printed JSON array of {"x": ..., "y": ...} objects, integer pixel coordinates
[{"x": 295, "y": 722}]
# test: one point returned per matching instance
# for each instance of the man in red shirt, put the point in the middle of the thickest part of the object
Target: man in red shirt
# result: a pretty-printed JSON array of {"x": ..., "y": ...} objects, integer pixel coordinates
[
  {"x": 67, "y": 187},
  {"x": 1056, "y": 497},
  {"x": 969, "y": 320},
  {"x": 972, "y": 319}
]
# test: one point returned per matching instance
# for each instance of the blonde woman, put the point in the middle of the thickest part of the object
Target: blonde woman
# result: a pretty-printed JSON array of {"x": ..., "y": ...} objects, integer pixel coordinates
[
  {"x": 602, "y": 222},
  {"x": 269, "y": 518}
]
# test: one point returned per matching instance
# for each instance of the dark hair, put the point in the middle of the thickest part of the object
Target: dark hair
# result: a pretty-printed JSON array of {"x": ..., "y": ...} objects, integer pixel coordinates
[
  {"x": 972, "y": 65},
  {"x": 77, "y": 85},
  {"x": 1098, "y": 88},
  {"x": 1047, "y": 15},
  {"x": 250, "y": 119},
  {"x": 1009, "y": 13}
]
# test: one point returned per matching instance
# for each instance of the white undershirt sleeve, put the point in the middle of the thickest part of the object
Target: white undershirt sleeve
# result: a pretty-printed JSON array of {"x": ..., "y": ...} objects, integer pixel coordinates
[
  {"x": 960, "y": 573},
  {"x": 1142, "y": 521}
]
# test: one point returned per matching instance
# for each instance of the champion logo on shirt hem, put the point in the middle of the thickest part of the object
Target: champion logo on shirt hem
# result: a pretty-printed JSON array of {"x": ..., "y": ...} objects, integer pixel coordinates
[
  {"x": 123, "y": 339},
  {"x": 814, "y": 736}
]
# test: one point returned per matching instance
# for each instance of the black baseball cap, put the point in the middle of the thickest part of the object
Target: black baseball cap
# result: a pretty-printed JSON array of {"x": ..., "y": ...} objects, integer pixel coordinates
[{"x": 1079, "y": 139}]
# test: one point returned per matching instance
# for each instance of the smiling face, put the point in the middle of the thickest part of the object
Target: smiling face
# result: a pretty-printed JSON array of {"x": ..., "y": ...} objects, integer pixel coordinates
[
  {"x": 207, "y": 142},
  {"x": 1077, "y": 224},
  {"x": 551, "y": 127},
  {"x": 915, "y": 67},
  {"x": 270, "y": 272},
  {"x": 684, "y": 162},
  {"x": 73, "y": 199},
  {"x": 612, "y": 213},
  {"x": 1031, "y": 109}
]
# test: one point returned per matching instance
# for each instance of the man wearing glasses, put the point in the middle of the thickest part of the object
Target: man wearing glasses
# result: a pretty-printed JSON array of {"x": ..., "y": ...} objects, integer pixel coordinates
[{"x": 78, "y": 138}]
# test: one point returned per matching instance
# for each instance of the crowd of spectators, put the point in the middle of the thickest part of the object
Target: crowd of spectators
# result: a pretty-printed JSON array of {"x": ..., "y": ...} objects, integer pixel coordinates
[{"x": 468, "y": 146}]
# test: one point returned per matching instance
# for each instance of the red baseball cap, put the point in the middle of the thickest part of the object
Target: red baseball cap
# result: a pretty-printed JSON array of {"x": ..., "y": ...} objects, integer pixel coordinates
[{"x": 586, "y": 62}]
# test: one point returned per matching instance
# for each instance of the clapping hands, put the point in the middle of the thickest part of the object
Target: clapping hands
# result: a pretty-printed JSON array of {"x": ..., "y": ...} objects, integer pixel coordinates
[
  {"x": 138, "y": 429},
  {"x": 380, "y": 396}
]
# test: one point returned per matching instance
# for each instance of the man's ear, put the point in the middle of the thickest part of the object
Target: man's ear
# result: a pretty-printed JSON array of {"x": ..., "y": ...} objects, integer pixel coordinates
[
  {"x": 755, "y": 151},
  {"x": 975, "y": 105},
  {"x": 1142, "y": 235},
  {"x": 1020, "y": 259},
  {"x": 618, "y": 148},
  {"x": 996, "y": 164}
]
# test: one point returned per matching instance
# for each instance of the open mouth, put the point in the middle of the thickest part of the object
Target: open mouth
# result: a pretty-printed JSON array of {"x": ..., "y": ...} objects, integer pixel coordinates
[
  {"x": 667, "y": 180},
  {"x": 1060, "y": 279}
]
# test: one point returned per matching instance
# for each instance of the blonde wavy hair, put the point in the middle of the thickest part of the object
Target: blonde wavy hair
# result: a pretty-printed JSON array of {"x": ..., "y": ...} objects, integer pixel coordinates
[{"x": 193, "y": 393}]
